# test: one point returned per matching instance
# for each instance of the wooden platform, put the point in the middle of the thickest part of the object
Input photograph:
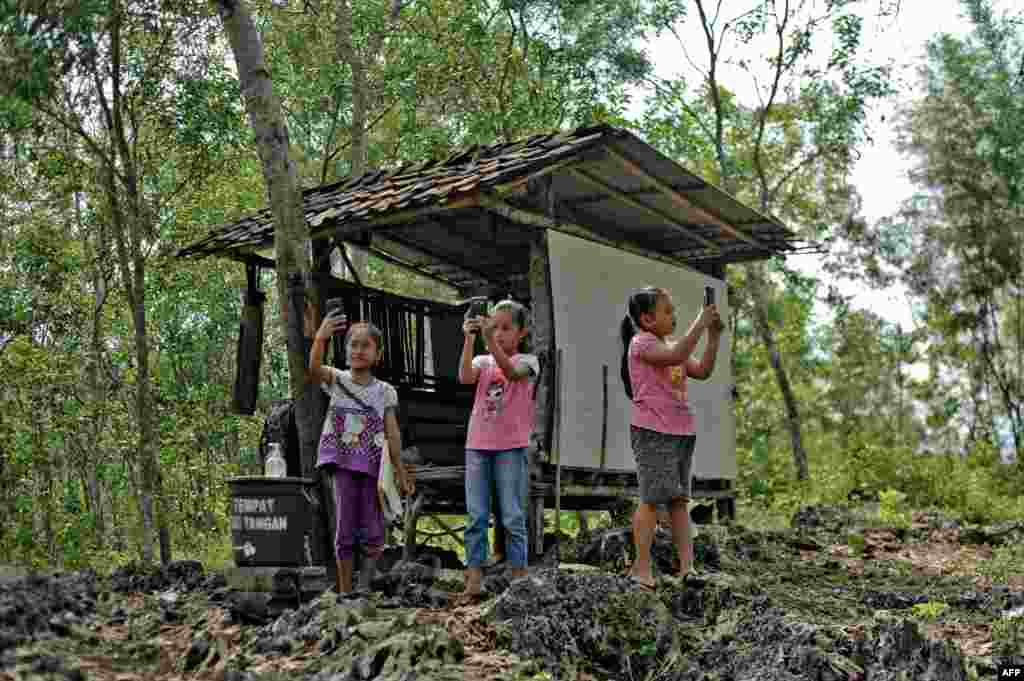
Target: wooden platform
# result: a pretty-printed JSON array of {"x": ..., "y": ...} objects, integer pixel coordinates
[{"x": 441, "y": 491}]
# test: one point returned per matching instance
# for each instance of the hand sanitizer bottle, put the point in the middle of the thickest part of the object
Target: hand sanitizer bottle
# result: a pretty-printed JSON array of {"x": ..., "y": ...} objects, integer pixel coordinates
[{"x": 275, "y": 466}]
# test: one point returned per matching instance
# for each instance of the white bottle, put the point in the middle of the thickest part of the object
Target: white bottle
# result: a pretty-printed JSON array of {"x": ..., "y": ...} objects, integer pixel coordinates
[{"x": 275, "y": 466}]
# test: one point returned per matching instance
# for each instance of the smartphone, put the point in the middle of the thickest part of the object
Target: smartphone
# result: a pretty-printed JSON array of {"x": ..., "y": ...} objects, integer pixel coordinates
[
  {"x": 477, "y": 307},
  {"x": 709, "y": 296},
  {"x": 333, "y": 304}
]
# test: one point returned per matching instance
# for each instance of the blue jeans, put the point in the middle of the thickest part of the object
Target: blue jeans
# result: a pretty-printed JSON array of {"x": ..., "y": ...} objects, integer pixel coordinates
[{"x": 508, "y": 470}]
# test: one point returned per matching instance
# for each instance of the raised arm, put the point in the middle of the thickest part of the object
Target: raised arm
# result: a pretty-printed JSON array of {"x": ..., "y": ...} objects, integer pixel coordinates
[
  {"x": 467, "y": 374},
  {"x": 673, "y": 354},
  {"x": 703, "y": 369},
  {"x": 331, "y": 325}
]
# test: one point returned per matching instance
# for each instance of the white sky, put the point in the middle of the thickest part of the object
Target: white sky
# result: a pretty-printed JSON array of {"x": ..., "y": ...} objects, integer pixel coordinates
[{"x": 880, "y": 174}]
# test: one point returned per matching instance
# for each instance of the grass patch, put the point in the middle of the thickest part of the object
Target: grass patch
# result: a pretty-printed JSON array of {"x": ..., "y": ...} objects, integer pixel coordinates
[{"x": 1007, "y": 561}]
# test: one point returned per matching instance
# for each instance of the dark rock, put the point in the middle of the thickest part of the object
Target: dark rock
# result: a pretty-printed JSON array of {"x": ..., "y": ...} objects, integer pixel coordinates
[
  {"x": 993, "y": 535},
  {"x": 185, "y": 573},
  {"x": 974, "y": 601},
  {"x": 497, "y": 583},
  {"x": 707, "y": 554},
  {"x": 309, "y": 633},
  {"x": 825, "y": 518},
  {"x": 531, "y": 594},
  {"x": 702, "y": 514},
  {"x": 280, "y": 645},
  {"x": 403, "y": 576},
  {"x": 328, "y": 645},
  {"x": 197, "y": 652},
  {"x": 437, "y": 599},
  {"x": 137, "y": 578},
  {"x": 215, "y": 582},
  {"x": 249, "y": 607},
  {"x": 47, "y": 664},
  {"x": 799, "y": 650},
  {"x": 608, "y": 546},
  {"x": 430, "y": 556},
  {"x": 552, "y": 616},
  {"x": 41, "y": 607},
  {"x": 286, "y": 583},
  {"x": 900, "y": 648},
  {"x": 889, "y": 600}
]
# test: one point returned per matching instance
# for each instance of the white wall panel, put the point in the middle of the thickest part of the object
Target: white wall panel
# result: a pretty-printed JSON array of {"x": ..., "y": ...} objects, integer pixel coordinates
[{"x": 591, "y": 284}]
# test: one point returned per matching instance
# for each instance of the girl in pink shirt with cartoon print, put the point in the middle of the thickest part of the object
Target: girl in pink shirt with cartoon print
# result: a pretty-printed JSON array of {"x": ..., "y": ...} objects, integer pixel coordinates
[
  {"x": 499, "y": 432},
  {"x": 662, "y": 429}
]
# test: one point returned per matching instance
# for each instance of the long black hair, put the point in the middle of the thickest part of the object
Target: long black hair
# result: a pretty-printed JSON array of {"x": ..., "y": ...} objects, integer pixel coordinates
[{"x": 643, "y": 301}]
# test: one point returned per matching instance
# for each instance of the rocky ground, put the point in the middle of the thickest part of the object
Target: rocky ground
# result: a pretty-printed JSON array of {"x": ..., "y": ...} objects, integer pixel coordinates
[{"x": 834, "y": 597}]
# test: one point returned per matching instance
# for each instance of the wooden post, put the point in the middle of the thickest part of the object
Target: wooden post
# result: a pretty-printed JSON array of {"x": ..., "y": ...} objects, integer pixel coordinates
[
  {"x": 318, "y": 404},
  {"x": 542, "y": 337},
  {"x": 250, "y": 345}
]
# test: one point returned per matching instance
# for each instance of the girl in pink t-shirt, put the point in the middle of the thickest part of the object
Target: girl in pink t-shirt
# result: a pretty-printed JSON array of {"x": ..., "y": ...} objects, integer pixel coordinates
[
  {"x": 662, "y": 432},
  {"x": 499, "y": 431}
]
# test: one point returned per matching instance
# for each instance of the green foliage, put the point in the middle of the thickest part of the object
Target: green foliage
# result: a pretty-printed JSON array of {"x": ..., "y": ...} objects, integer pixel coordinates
[
  {"x": 454, "y": 73},
  {"x": 891, "y": 510},
  {"x": 1008, "y": 635},
  {"x": 930, "y": 611},
  {"x": 1006, "y": 561},
  {"x": 857, "y": 544}
]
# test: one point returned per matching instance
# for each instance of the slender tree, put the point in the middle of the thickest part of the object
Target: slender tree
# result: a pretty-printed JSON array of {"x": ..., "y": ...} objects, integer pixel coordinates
[{"x": 806, "y": 121}]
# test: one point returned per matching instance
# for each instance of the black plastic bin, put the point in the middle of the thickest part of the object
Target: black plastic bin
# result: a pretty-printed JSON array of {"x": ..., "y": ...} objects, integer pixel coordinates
[{"x": 274, "y": 522}]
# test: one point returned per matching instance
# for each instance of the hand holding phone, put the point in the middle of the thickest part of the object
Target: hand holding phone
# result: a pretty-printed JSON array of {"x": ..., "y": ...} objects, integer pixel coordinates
[
  {"x": 709, "y": 296},
  {"x": 477, "y": 308}
]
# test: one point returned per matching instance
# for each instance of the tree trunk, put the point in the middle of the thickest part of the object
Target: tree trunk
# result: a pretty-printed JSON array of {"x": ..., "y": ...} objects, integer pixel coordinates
[
  {"x": 756, "y": 284},
  {"x": 128, "y": 215},
  {"x": 91, "y": 457},
  {"x": 292, "y": 245}
]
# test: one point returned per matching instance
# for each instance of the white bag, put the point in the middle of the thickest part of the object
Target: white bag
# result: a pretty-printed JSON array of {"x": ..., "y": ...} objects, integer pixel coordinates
[{"x": 387, "y": 491}]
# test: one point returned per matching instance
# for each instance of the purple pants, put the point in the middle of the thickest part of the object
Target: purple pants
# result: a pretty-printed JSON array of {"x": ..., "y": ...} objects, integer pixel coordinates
[{"x": 357, "y": 507}]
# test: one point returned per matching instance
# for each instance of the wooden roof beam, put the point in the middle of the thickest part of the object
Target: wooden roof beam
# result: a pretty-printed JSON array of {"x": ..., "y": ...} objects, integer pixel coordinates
[
  {"x": 541, "y": 221},
  {"x": 415, "y": 269},
  {"x": 683, "y": 202},
  {"x": 419, "y": 250},
  {"x": 395, "y": 219},
  {"x": 625, "y": 198}
]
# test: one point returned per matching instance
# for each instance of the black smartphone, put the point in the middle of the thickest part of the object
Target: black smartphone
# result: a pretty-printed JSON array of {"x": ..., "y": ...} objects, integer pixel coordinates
[
  {"x": 477, "y": 308},
  {"x": 333, "y": 304},
  {"x": 709, "y": 296}
]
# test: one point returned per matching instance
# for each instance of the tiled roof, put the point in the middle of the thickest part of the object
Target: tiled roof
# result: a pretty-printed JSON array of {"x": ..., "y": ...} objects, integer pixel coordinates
[
  {"x": 410, "y": 185},
  {"x": 606, "y": 179}
]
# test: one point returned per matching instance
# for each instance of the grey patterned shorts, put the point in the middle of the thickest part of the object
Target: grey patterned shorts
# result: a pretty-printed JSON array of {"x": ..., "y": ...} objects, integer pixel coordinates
[{"x": 663, "y": 464}]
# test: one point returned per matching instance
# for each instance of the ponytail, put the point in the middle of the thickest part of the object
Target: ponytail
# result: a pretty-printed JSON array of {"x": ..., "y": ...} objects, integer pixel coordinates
[
  {"x": 643, "y": 301},
  {"x": 627, "y": 330}
]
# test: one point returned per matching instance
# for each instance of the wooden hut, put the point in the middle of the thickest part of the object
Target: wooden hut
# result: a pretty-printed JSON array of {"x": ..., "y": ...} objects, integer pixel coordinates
[{"x": 567, "y": 223}]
